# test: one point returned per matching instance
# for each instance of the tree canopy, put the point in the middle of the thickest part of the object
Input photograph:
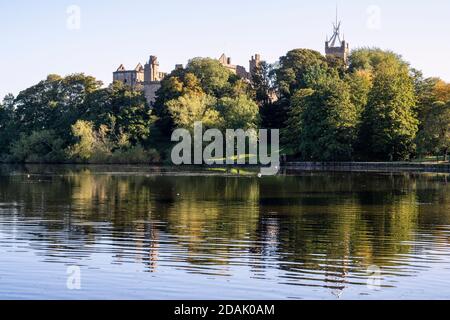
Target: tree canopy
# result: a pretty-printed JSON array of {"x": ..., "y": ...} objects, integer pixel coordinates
[{"x": 375, "y": 108}]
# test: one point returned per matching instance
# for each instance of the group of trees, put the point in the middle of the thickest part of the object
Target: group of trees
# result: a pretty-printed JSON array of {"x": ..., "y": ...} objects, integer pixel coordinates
[
  {"x": 208, "y": 92},
  {"x": 75, "y": 119},
  {"x": 375, "y": 108}
]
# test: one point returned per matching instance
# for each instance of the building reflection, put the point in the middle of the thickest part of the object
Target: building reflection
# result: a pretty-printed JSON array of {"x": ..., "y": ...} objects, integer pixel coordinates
[{"x": 317, "y": 229}]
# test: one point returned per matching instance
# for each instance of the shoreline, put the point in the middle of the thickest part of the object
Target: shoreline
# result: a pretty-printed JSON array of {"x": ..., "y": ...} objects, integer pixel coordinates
[
  {"x": 370, "y": 166},
  {"x": 407, "y": 167}
]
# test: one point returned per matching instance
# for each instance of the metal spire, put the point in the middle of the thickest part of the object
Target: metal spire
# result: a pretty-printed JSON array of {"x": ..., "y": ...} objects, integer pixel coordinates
[
  {"x": 336, "y": 13},
  {"x": 336, "y": 32}
]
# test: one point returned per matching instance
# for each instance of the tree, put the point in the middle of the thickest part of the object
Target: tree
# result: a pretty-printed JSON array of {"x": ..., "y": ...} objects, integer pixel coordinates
[
  {"x": 188, "y": 109},
  {"x": 263, "y": 84},
  {"x": 435, "y": 134},
  {"x": 290, "y": 75},
  {"x": 425, "y": 94},
  {"x": 238, "y": 113},
  {"x": 55, "y": 103},
  {"x": 202, "y": 76},
  {"x": 40, "y": 146},
  {"x": 298, "y": 69},
  {"x": 92, "y": 145},
  {"x": 8, "y": 129},
  {"x": 324, "y": 121},
  {"x": 205, "y": 91},
  {"x": 215, "y": 79},
  {"x": 389, "y": 122},
  {"x": 432, "y": 95},
  {"x": 370, "y": 59},
  {"x": 442, "y": 91},
  {"x": 360, "y": 84},
  {"x": 84, "y": 148},
  {"x": 292, "y": 134},
  {"x": 126, "y": 112}
]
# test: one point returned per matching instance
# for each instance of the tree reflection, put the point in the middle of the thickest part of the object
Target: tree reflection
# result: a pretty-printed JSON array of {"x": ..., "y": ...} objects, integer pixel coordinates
[{"x": 319, "y": 229}]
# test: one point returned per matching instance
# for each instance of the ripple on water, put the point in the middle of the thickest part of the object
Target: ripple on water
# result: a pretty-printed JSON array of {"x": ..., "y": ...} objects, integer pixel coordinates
[{"x": 296, "y": 236}]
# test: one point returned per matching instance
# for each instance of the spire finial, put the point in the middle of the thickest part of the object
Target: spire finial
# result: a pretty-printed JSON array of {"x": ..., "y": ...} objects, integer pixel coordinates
[{"x": 336, "y": 13}]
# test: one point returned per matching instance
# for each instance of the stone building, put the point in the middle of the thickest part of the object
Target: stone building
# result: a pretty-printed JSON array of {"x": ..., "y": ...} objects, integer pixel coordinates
[
  {"x": 240, "y": 70},
  {"x": 254, "y": 64},
  {"x": 130, "y": 77},
  {"x": 236, "y": 69},
  {"x": 335, "y": 46},
  {"x": 148, "y": 77},
  {"x": 152, "y": 79}
]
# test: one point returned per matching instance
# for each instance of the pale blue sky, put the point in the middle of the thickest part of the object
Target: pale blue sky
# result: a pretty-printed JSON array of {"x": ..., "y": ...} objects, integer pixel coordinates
[{"x": 35, "y": 40}]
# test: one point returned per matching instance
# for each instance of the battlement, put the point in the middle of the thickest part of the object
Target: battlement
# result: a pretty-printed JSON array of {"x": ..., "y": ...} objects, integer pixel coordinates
[
  {"x": 240, "y": 70},
  {"x": 335, "y": 46}
]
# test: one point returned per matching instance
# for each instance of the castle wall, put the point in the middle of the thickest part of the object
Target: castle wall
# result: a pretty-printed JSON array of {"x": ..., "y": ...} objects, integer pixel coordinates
[
  {"x": 130, "y": 77},
  {"x": 148, "y": 78},
  {"x": 150, "y": 89}
]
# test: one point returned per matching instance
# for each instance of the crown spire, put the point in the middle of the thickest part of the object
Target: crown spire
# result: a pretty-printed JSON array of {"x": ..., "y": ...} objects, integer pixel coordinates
[
  {"x": 336, "y": 31},
  {"x": 336, "y": 45}
]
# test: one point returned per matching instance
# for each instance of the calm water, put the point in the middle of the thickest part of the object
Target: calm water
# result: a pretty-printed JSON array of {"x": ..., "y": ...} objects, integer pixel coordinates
[{"x": 164, "y": 234}]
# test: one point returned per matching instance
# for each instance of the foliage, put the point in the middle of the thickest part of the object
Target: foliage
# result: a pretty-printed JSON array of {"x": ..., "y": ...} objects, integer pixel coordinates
[
  {"x": 8, "y": 130},
  {"x": 208, "y": 92},
  {"x": 376, "y": 108},
  {"x": 434, "y": 138},
  {"x": 123, "y": 110},
  {"x": 239, "y": 112},
  {"x": 55, "y": 103},
  {"x": 294, "y": 67},
  {"x": 40, "y": 146},
  {"x": 370, "y": 59},
  {"x": 94, "y": 146},
  {"x": 324, "y": 120},
  {"x": 214, "y": 78},
  {"x": 389, "y": 121},
  {"x": 263, "y": 83},
  {"x": 190, "y": 108}
]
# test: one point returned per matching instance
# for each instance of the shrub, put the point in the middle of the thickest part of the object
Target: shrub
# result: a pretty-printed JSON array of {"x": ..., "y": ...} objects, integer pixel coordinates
[{"x": 40, "y": 146}]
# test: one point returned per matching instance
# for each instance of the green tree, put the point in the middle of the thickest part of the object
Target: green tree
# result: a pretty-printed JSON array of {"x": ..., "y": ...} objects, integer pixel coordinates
[
  {"x": 263, "y": 84},
  {"x": 370, "y": 59},
  {"x": 93, "y": 145},
  {"x": 298, "y": 69},
  {"x": 239, "y": 113},
  {"x": 324, "y": 119},
  {"x": 46, "y": 110},
  {"x": 204, "y": 91},
  {"x": 124, "y": 110},
  {"x": 293, "y": 67},
  {"x": 389, "y": 121},
  {"x": 40, "y": 146},
  {"x": 85, "y": 147},
  {"x": 292, "y": 134},
  {"x": 215, "y": 79},
  {"x": 55, "y": 103},
  {"x": 185, "y": 81},
  {"x": 360, "y": 83},
  {"x": 435, "y": 134},
  {"x": 188, "y": 109},
  {"x": 8, "y": 128}
]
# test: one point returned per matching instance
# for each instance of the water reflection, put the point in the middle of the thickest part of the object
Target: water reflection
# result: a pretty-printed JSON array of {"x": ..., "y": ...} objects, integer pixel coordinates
[{"x": 305, "y": 234}]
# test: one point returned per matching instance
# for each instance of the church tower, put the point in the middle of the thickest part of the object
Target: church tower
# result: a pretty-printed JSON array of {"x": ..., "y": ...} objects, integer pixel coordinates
[{"x": 335, "y": 46}]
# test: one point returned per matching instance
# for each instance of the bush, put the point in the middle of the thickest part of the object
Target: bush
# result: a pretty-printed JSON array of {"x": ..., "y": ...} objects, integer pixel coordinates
[
  {"x": 135, "y": 155},
  {"x": 39, "y": 147}
]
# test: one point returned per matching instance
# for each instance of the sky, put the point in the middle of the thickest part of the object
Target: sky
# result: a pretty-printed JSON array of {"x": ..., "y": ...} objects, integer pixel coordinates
[{"x": 96, "y": 36}]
